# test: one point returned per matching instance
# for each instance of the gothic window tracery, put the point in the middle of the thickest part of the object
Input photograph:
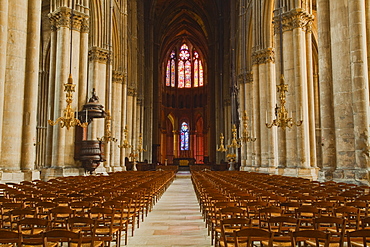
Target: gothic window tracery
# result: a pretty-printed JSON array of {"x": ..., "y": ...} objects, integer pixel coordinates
[{"x": 189, "y": 69}]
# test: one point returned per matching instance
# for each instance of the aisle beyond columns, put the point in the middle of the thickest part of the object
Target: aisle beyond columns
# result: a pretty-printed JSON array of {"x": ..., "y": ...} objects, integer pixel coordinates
[{"x": 174, "y": 221}]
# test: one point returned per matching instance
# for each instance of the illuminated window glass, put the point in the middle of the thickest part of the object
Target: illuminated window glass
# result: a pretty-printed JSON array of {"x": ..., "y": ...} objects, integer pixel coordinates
[
  {"x": 181, "y": 79},
  {"x": 196, "y": 78},
  {"x": 184, "y": 136},
  {"x": 173, "y": 70},
  {"x": 201, "y": 80},
  {"x": 188, "y": 67},
  {"x": 187, "y": 74},
  {"x": 168, "y": 74}
]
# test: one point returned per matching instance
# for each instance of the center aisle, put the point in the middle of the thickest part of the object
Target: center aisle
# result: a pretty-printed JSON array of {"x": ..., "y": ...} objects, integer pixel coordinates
[{"x": 174, "y": 221}]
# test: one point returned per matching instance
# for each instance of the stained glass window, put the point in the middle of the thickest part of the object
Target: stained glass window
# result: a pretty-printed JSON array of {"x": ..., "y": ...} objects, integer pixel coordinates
[
  {"x": 168, "y": 74},
  {"x": 201, "y": 80},
  {"x": 173, "y": 70},
  {"x": 184, "y": 136},
  {"x": 181, "y": 79},
  {"x": 189, "y": 69},
  {"x": 188, "y": 74}
]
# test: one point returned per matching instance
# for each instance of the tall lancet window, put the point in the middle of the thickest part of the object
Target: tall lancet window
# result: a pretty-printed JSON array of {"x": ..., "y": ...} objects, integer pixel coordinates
[
  {"x": 184, "y": 135},
  {"x": 189, "y": 69},
  {"x": 170, "y": 70}
]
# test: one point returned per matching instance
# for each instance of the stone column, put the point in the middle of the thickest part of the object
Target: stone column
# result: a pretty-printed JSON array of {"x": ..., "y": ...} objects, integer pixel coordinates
[
  {"x": 62, "y": 23},
  {"x": 116, "y": 118},
  {"x": 242, "y": 100},
  {"x": 130, "y": 122},
  {"x": 13, "y": 88},
  {"x": 123, "y": 121},
  {"x": 367, "y": 13},
  {"x": 31, "y": 87},
  {"x": 360, "y": 88},
  {"x": 98, "y": 62},
  {"x": 3, "y": 51},
  {"x": 294, "y": 24},
  {"x": 311, "y": 98},
  {"x": 83, "y": 72},
  {"x": 328, "y": 147},
  {"x": 266, "y": 138}
]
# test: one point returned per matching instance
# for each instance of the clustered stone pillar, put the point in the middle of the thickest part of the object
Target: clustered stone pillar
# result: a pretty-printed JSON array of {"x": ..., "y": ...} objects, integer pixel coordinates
[
  {"x": 116, "y": 119},
  {"x": 264, "y": 96},
  {"x": 30, "y": 92},
  {"x": 13, "y": 88}
]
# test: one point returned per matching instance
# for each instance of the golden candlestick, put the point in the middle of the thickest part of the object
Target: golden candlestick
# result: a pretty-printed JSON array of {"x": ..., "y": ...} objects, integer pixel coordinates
[
  {"x": 235, "y": 141},
  {"x": 68, "y": 120},
  {"x": 108, "y": 133},
  {"x": 140, "y": 145},
  {"x": 125, "y": 144},
  {"x": 245, "y": 134},
  {"x": 281, "y": 113},
  {"x": 222, "y": 146}
]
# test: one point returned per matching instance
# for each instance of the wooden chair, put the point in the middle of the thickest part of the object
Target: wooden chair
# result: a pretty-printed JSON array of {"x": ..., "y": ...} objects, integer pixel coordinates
[
  {"x": 310, "y": 237},
  {"x": 358, "y": 238},
  {"x": 225, "y": 213},
  {"x": 281, "y": 228},
  {"x": 333, "y": 225},
  {"x": 351, "y": 215},
  {"x": 248, "y": 236},
  {"x": 10, "y": 238},
  {"x": 265, "y": 214},
  {"x": 86, "y": 227},
  {"x": 58, "y": 217},
  {"x": 120, "y": 219},
  {"x": 60, "y": 236},
  {"x": 105, "y": 229},
  {"x": 32, "y": 230},
  {"x": 307, "y": 214},
  {"x": 228, "y": 226}
]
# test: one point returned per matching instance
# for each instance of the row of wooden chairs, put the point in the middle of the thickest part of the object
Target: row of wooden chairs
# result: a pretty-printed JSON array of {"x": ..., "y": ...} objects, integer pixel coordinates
[
  {"x": 250, "y": 237},
  {"x": 226, "y": 195},
  {"x": 109, "y": 209}
]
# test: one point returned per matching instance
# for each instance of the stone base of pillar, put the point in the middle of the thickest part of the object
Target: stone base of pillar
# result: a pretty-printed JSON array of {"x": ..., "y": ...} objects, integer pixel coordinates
[
  {"x": 117, "y": 169},
  {"x": 267, "y": 170},
  {"x": 19, "y": 176},
  {"x": 50, "y": 173},
  {"x": 353, "y": 176},
  {"x": 248, "y": 168},
  {"x": 309, "y": 173}
]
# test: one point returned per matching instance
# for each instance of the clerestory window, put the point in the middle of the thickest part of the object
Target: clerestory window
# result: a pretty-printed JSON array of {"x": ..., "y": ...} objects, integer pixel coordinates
[{"x": 184, "y": 69}]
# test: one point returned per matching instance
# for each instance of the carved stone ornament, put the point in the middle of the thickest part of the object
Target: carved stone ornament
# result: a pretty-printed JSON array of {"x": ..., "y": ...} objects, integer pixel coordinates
[
  {"x": 263, "y": 56},
  {"x": 98, "y": 54},
  {"x": 296, "y": 18},
  {"x": 118, "y": 76}
]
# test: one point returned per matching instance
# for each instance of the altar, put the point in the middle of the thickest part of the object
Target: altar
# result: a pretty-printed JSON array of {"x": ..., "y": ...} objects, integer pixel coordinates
[{"x": 183, "y": 162}]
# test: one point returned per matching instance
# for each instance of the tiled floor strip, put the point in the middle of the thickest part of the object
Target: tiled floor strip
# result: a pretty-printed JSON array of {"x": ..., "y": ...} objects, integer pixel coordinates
[{"x": 174, "y": 221}]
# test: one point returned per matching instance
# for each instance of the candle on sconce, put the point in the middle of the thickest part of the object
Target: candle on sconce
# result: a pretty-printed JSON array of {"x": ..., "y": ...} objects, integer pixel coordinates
[
  {"x": 266, "y": 117},
  {"x": 86, "y": 114}
]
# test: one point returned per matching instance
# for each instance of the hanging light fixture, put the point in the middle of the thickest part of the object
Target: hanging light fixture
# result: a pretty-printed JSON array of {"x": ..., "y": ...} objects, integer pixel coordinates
[
  {"x": 281, "y": 113},
  {"x": 68, "y": 119}
]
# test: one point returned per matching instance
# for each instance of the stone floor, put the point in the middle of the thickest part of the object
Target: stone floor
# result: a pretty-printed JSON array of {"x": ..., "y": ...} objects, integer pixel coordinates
[{"x": 175, "y": 219}]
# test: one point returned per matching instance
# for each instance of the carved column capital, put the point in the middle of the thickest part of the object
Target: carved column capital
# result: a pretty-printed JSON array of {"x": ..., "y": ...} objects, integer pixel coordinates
[
  {"x": 118, "y": 77},
  {"x": 296, "y": 18},
  {"x": 131, "y": 91},
  {"x": 246, "y": 77},
  {"x": 62, "y": 18},
  {"x": 263, "y": 56},
  {"x": 85, "y": 26},
  {"x": 98, "y": 54}
]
